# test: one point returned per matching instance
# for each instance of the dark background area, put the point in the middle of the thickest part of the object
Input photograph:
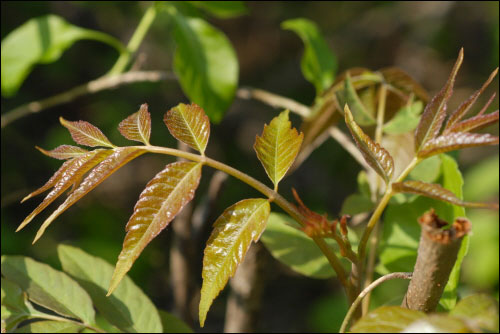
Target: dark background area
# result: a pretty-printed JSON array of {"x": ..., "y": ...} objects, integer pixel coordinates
[{"x": 422, "y": 38}]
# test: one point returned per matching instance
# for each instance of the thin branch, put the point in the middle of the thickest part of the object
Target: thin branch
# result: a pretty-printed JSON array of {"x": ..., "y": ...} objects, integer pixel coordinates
[
  {"x": 367, "y": 290},
  {"x": 273, "y": 100},
  {"x": 94, "y": 86},
  {"x": 348, "y": 145}
]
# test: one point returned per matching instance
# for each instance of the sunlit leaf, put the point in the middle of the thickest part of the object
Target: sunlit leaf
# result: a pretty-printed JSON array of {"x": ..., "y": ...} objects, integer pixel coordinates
[
  {"x": 69, "y": 174},
  {"x": 112, "y": 162},
  {"x": 403, "y": 81},
  {"x": 375, "y": 155},
  {"x": 278, "y": 146},
  {"x": 50, "y": 326},
  {"x": 189, "y": 124},
  {"x": 222, "y": 9},
  {"x": 435, "y": 111},
  {"x": 387, "y": 319},
  {"x": 129, "y": 309},
  {"x": 475, "y": 123},
  {"x": 14, "y": 309},
  {"x": 234, "y": 231},
  {"x": 64, "y": 152},
  {"x": 436, "y": 191},
  {"x": 318, "y": 62},
  {"x": 405, "y": 120},
  {"x": 480, "y": 311},
  {"x": 86, "y": 134},
  {"x": 349, "y": 96},
  {"x": 462, "y": 110},
  {"x": 455, "y": 141},
  {"x": 162, "y": 199},
  {"x": 48, "y": 287},
  {"x": 137, "y": 126}
]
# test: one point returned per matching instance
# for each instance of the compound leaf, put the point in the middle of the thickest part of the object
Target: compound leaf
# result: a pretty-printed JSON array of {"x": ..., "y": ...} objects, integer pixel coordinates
[
  {"x": 189, "y": 124},
  {"x": 84, "y": 133},
  {"x": 234, "y": 231},
  {"x": 64, "y": 152},
  {"x": 278, "y": 146},
  {"x": 111, "y": 163},
  {"x": 455, "y": 141},
  {"x": 137, "y": 126},
  {"x": 375, "y": 155},
  {"x": 162, "y": 199},
  {"x": 435, "y": 111},
  {"x": 475, "y": 123}
]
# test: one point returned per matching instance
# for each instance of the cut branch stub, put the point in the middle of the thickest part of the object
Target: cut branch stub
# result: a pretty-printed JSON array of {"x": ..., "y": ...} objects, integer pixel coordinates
[
  {"x": 375, "y": 155},
  {"x": 162, "y": 199},
  {"x": 84, "y": 133},
  {"x": 189, "y": 124},
  {"x": 233, "y": 233},
  {"x": 137, "y": 126},
  {"x": 278, "y": 146}
]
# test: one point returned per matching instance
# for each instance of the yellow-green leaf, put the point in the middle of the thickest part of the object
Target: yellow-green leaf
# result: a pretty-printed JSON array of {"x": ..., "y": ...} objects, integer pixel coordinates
[
  {"x": 348, "y": 96},
  {"x": 278, "y": 147},
  {"x": 189, "y": 124},
  {"x": 84, "y": 133},
  {"x": 106, "y": 167},
  {"x": 162, "y": 199},
  {"x": 234, "y": 231},
  {"x": 137, "y": 126},
  {"x": 64, "y": 152},
  {"x": 375, "y": 155}
]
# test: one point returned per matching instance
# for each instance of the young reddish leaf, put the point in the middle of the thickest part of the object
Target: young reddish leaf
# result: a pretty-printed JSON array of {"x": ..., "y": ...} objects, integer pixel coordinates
[
  {"x": 84, "y": 133},
  {"x": 435, "y": 111},
  {"x": 70, "y": 173},
  {"x": 403, "y": 81},
  {"x": 455, "y": 141},
  {"x": 189, "y": 124},
  {"x": 233, "y": 233},
  {"x": 137, "y": 126},
  {"x": 436, "y": 191},
  {"x": 112, "y": 162},
  {"x": 375, "y": 155},
  {"x": 475, "y": 123},
  {"x": 162, "y": 199},
  {"x": 64, "y": 152},
  {"x": 465, "y": 106},
  {"x": 278, "y": 147}
]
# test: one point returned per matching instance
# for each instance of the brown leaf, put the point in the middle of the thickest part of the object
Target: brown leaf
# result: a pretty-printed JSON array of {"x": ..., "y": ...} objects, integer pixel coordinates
[
  {"x": 475, "y": 123},
  {"x": 162, "y": 199},
  {"x": 436, "y": 191},
  {"x": 435, "y": 111},
  {"x": 455, "y": 141},
  {"x": 69, "y": 173},
  {"x": 137, "y": 126},
  {"x": 403, "y": 81},
  {"x": 64, "y": 152},
  {"x": 375, "y": 155},
  {"x": 118, "y": 157},
  {"x": 84, "y": 133}
]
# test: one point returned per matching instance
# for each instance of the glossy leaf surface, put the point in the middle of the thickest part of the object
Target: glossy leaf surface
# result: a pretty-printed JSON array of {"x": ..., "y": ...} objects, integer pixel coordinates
[
  {"x": 456, "y": 141},
  {"x": 129, "y": 309},
  {"x": 64, "y": 152},
  {"x": 115, "y": 160},
  {"x": 189, "y": 124},
  {"x": 137, "y": 126},
  {"x": 234, "y": 231},
  {"x": 84, "y": 133},
  {"x": 435, "y": 111},
  {"x": 278, "y": 146},
  {"x": 48, "y": 287},
  {"x": 318, "y": 62},
  {"x": 162, "y": 199},
  {"x": 349, "y": 96},
  {"x": 375, "y": 155},
  {"x": 206, "y": 65}
]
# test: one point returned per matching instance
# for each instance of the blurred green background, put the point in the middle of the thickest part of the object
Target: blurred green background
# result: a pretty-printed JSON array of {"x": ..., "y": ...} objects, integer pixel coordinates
[{"x": 422, "y": 38}]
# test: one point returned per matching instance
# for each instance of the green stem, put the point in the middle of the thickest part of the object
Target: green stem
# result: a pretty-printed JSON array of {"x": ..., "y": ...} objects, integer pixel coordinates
[{"x": 135, "y": 41}]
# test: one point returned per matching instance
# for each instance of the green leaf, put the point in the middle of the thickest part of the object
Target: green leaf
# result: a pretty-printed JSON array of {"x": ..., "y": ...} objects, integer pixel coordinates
[
  {"x": 189, "y": 124},
  {"x": 50, "y": 326},
  {"x": 405, "y": 120},
  {"x": 129, "y": 309},
  {"x": 318, "y": 62},
  {"x": 206, "y": 65},
  {"x": 221, "y": 9},
  {"x": 48, "y": 287},
  {"x": 14, "y": 308},
  {"x": 480, "y": 312},
  {"x": 84, "y": 133},
  {"x": 375, "y": 155},
  {"x": 162, "y": 199},
  {"x": 349, "y": 97},
  {"x": 41, "y": 40},
  {"x": 356, "y": 203},
  {"x": 428, "y": 170},
  {"x": 278, "y": 146},
  {"x": 456, "y": 141},
  {"x": 387, "y": 319},
  {"x": 233, "y": 233},
  {"x": 64, "y": 152},
  {"x": 482, "y": 180},
  {"x": 137, "y": 126},
  {"x": 172, "y": 324}
]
